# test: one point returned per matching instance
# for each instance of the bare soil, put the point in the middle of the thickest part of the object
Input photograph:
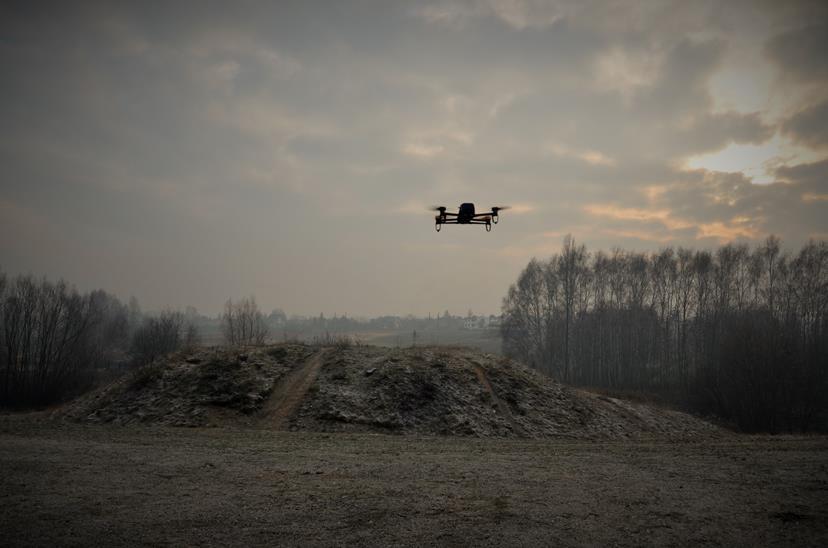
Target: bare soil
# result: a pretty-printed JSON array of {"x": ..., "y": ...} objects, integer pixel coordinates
[
  {"x": 290, "y": 392},
  {"x": 69, "y": 484}
]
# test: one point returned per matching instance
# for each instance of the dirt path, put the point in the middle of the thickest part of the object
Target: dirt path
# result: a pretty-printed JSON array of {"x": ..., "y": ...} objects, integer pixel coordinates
[
  {"x": 502, "y": 408},
  {"x": 287, "y": 397}
]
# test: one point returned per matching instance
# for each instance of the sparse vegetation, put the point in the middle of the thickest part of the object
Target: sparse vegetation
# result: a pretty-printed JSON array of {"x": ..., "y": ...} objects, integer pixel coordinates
[
  {"x": 145, "y": 376},
  {"x": 339, "y": 341},
  {"x": 157, "y": 336}
]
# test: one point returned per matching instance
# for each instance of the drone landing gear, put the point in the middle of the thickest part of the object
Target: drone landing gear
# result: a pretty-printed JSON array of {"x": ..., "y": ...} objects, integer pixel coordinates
[
  {"x": 438, "y": 226},
  {"x": 495, "y": 219},
  {"x": 488, "y": 227}
]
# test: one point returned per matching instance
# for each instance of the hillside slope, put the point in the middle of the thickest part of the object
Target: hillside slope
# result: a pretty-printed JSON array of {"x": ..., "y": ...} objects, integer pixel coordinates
[{"x": 425, "y": 390}]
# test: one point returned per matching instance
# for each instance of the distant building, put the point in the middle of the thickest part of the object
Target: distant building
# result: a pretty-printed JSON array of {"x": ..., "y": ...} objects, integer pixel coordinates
[{"x": 482, "y": 322}]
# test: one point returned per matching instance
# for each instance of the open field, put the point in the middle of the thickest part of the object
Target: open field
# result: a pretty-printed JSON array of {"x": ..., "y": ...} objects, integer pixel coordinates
[
  {"x": 71, "y": 484},
  {"x": 485, "y": 340}
]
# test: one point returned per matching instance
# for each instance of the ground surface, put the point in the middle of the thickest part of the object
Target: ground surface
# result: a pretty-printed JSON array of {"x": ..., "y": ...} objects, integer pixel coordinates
[{"x": 80, "y": 484}]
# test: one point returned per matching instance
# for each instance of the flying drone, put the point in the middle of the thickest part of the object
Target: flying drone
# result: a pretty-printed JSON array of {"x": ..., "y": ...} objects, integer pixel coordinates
[{"x": 466, "y": 216}]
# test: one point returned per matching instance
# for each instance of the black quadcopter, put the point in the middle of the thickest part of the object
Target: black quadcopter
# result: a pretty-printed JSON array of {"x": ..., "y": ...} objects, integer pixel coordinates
[{"x": 467, "y": 216}]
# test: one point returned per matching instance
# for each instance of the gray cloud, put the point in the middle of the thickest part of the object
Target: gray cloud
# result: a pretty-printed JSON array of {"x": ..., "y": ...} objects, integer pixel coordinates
[
  {"x": 800, "y": 52},
  {"x": 812, "y": 173},
  {"x": 186, "y": 153},
  {"x": 809, "y": 126}
]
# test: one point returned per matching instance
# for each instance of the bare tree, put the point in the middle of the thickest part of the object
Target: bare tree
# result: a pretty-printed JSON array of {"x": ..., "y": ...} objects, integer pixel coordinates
[
  {"x": 737, "y": 332},
  {"x": 571, "y": 269},
  {"x": 242, "y": 323},
  {"x": 48, "y": 344},
  {"x": 192, "y": 337},
  {"x": 157, "y": 336}
]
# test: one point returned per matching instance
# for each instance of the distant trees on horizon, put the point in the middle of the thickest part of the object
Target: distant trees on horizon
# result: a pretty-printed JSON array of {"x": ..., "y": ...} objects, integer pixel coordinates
[
  {"x": 53, "y": 338},
  {"x": 739, "y": 332},
  {"x": 56, "y": 342}
]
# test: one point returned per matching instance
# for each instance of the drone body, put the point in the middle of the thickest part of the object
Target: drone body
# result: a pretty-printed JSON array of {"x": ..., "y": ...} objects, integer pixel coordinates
[{"x": 466, "y": 216}]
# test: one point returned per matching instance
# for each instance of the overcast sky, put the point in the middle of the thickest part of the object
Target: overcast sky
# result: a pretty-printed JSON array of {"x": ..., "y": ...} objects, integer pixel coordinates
[{"x": 185, "y": 153}]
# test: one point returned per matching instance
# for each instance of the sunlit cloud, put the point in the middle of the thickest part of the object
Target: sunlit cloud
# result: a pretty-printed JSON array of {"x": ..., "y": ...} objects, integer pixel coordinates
[
  {"x": 420, "y": 150},
  {"x": 725, "y": 232},
  {"x": 522, "y": 14},
  {"x": 521, "y": 209},
  {"x": 437, "y": 142},
  {"x": 461, "y": 137},
  {"x": 264, "y": 119},
  {"x": 453, "y": 14},
  {"x": 626, "y": 71},
  {"x": 223, "y": 74},
  {"x": 592, "y": 157},
  {"x": 654, "y": 192},
  {"x": 662, "y": 216},
  {"x": 456, "y": 103},
  {"x": 555, "y": 233},
  {"x": 517, "y": 14},
  {"x": 737, "y": 227},
  {"x": 502, "y": 103},
  {"x": 643, "y": 235},
  {"x": 810, "y": 197}
]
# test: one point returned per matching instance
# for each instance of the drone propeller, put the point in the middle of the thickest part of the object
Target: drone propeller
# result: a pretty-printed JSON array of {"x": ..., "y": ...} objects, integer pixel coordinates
[
  {"x": 441, "y": 209},
  {"x": 495, "y": 211}
]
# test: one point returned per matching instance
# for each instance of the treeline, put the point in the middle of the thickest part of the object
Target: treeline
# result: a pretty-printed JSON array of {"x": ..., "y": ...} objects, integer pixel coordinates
[
  {"x": 738, "y": 332},
  {"x": 279, "y": 326},
  {"x": 56, "y": 342},
  {"x": 319, "y": 325}
]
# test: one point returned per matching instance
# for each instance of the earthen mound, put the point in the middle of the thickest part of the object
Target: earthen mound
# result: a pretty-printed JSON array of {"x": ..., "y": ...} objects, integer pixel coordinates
[{"x": 423, "y": 391}]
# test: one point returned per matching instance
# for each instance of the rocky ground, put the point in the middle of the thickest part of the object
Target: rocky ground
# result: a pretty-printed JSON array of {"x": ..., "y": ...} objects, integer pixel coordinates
[{"x": 423, "y": 390}]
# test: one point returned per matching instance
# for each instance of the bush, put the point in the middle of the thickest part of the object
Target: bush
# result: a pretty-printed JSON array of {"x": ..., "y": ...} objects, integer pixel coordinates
[
  {"x": 156, "y": 337},
  {"x": 145, "y": 376}
]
